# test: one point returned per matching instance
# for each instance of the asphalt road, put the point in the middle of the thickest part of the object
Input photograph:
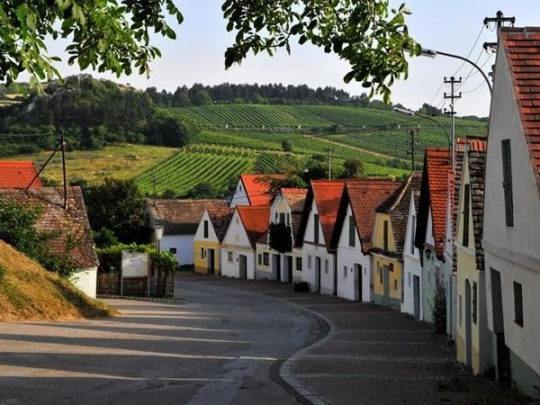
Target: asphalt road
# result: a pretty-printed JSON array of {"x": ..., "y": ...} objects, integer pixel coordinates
[{"x": 223, "y": 347}]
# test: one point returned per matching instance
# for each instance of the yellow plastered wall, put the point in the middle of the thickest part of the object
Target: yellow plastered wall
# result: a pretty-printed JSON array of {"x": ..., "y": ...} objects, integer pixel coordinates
[
  {"x": 395, "y": 277},
  {"x": 201, "y": 263},
  {"x": 378, "y": 234}
]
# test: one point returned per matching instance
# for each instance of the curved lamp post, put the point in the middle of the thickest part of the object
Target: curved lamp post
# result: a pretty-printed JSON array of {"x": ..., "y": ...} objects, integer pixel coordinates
[
  {"x": 158, "y": 229},
  {"x": 427, "y": 117}
]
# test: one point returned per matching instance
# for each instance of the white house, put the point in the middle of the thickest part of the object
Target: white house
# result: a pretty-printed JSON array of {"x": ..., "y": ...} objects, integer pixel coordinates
[
  {"x": 315, "y": 235},
  {"x": 353, "y": 232},
  {"x": 286, "y": 209},
  {"x": 238, "y": 247},
  {"x": 180, "y": 219},
  {"x": 253, "y": 189},
  {"x": 511, "y": 238},
  {"x": 412, "y": 283},
  {"x": 72, "y": 234}
]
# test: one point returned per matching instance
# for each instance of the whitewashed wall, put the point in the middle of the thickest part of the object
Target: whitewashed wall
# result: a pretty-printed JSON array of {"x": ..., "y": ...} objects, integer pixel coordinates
[
  {"x": 240, "y": 196},
  {"x": 184, "y": 247},
  {"x": 412, "y": 266},
  {"x": 86, "y": 280},
  {"x": 199, "y": 234},
  {"x": 236, "y": 241}
]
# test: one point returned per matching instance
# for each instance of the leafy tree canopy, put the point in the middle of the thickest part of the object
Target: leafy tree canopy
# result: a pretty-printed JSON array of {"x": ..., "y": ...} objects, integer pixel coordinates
[{"x": 114, "y": 35}]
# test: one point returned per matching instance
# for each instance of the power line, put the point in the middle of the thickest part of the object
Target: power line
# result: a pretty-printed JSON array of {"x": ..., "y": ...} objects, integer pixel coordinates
[{"x": 470, "y": 52}]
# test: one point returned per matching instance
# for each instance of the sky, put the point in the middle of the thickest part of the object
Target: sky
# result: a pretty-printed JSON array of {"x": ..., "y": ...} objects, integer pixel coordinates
[{"x": 196, "y": 56}]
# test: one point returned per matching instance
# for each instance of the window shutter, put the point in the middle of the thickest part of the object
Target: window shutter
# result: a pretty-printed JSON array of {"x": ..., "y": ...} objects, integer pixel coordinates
[
  {"x": 507, "y": 182},
  {"x": 466, "y": 198},
  {"x": 205, "y": 229},
  {"x": 316, "y": 228},
  {"x": 352, "y": 232},
  {"x": 385, "y": 235}
]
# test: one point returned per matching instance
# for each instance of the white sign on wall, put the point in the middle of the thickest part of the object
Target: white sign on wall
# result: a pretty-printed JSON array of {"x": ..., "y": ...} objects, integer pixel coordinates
[{"x": 134, "y": 264}]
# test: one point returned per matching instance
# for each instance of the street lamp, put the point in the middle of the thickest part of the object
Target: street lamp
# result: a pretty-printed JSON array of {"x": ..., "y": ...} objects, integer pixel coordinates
[
  {"x": 158, "y": 229},
  {"x": 427, "y": 117},
  {"x": 431, "y": 53}
]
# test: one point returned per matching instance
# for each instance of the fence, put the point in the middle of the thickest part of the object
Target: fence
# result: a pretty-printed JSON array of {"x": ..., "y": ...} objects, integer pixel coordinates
[{"x": 109, "y": 284}]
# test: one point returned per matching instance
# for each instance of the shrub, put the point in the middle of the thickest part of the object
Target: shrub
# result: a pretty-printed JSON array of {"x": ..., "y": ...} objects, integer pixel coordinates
[
  {"x": 439, "y": 308},
  {"x": 280, "y": 238}
]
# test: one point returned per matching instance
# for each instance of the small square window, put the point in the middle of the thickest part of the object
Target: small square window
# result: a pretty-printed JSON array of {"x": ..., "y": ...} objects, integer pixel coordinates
[
  {"x": 344, "y": 271},
  {"x": 172, "y": 250},
  {"x": 326, "y": 266},
  {"x": 518, "y": 304},
  {"x": 266, "y": 259},
  {"x": 298, "y": 264},
  {"x": 259, "y": 259},
  {"x": 230, "y": 256},
  {"x": 395, "y": 285},
  {"x": 202, "y": 253},
  {"x": 309, "y": 262}
]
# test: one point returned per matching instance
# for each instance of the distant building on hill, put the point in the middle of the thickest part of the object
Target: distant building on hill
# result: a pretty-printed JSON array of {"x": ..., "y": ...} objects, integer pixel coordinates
[{"x": 181, "y": 219}]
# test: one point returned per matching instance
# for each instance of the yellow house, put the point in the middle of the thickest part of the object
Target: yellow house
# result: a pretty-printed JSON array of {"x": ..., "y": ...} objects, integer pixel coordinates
[
  {"x": 388, "y": 241},
  {"x": 473, "y": 338},
  {"x": 208, "y": 238}
]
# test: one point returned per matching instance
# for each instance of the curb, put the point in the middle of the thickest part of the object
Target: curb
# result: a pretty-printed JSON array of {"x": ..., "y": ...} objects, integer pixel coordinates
[{"x": 162, "y": 300}]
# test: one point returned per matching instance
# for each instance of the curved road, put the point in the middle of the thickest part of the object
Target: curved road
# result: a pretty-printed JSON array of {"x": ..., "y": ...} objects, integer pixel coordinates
[{"x": 223, "y": 347}]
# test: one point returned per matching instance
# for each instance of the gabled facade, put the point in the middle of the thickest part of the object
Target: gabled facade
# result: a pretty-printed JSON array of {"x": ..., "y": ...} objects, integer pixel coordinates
[
  {"x": 511, "y": 237},
  {"x": 473, "y": 339},
  {"x": 18, "y": 174},
  {"x": 253, "y": 189},
  {"x": 181, "y": 218},
  {"x": 353, "y": 233},
  {"x": 247, "y": 225},
  {"x": 315, "y": 235},
  {"x": 70, "y": 227},
  {"x": 412, "y": 266},
  {"x": 286, "y": 209},
  {"x": 388, "y": 244},
  {"x": 208, "y": 238}
]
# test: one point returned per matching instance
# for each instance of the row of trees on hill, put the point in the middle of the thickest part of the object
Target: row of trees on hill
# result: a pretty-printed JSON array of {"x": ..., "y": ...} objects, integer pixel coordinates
[
  {"x": 227, "y": 93},
  {"x": 92, "y": 113}
]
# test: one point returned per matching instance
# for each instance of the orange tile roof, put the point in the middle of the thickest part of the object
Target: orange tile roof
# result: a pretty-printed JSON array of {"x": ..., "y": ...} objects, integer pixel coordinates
[
  {"x": 364, "y": 196},
  {"x": 295, "y": 197},
  {"x": 327, "y": 195},
  {"x": 18, "y": 174},
  {"x": 522, "y": 50},
  {"x": 255, "y": 221},
  {"x": 437, "y": 170},
  {"x": 258, "y": 188},
  {"x": 220, "y": 218}
]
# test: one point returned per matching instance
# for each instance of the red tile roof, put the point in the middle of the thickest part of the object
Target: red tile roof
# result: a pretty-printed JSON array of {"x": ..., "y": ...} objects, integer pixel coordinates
[
  {"x": 436, "y": 180},
  {"x": 220, "y": 218},
  {"x": 295, "y": 197},
  {"x": 522, "y": 50},
  {"x": 257, "y": 187},
  {"x": 327, "y": 195},
  {"x": 69, "y": 226},
  {"x": 255, "y": 221},
  {"x": 18, "y": 174},
  {"x": 364, "y": 196}
]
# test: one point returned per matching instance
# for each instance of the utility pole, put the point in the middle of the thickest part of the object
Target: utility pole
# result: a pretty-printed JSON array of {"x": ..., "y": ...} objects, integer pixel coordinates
[
  {"x": 329, "y": 154},
  {"x": 499, "y": 20},
  {"x": 412, "y": 143},
  {"x": 63, "y": 148},
  {"x": 452, "y": 81}
]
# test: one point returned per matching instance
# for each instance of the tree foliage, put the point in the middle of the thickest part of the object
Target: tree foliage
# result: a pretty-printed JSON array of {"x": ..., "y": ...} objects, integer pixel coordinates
[
  {"x": 371, "y": 36},
  {"x": 280, "y": 237},
  {"x": 117, "y": 205},
  {"x": 107, "y": 35},
  {"x": 352, "y": 169}
]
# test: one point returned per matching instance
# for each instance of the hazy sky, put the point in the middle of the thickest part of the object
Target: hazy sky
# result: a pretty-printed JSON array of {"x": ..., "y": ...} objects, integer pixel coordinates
[{"x": 197, "y": 54}]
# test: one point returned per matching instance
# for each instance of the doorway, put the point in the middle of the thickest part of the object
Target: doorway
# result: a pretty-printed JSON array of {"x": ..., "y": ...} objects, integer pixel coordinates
[
  {"x": 416, "y": 296},
  {"x": 502, "y": 360},
  {"x": 468, "y": 325},
  {"x": 242, "y": 266},
  {"x": 211, "y": 261},
  {"x": 386, "y": 285},
  {"x": 289, "y": 268},
  {"x": 358, "y": 282},
  {"x": 317, "y": 274}
]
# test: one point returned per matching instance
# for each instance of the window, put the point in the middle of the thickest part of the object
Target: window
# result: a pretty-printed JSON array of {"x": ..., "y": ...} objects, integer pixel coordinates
[
  {"x": 507, "y": 182},
  {"x": 466, "y": 196},
  {"x": 299, "y": 263},
  {"x": 344, "y": 271},
  {"x": 352, "y": 232},
  {"x": 326, "y": 266},
  {"x": 395, "y": 285},
  {"x": 316, "y": 228},
  {"x": 474, "y": 303},
  {"x": 259, "y": 259},
  {"x": 172, "y": 250},
  {"x": 518, "y": 304},
  {"x": 380, "y": 275},
  {"x": 230, "y": 256},
  {"x": 391, "y": 267},
  {"x": 409, "y": 280},
  {"x": 385, "y": 235},
  {"x": 282, "y": 218},
  {"x": 202, "y": 253},
  {"x": 460, "y": 310},
  {"x": 206, "y": 229},
  {"x": 266, "y": 258},
  {"x": 309, "y": 262},
  {"x": 413, "y": 233}
]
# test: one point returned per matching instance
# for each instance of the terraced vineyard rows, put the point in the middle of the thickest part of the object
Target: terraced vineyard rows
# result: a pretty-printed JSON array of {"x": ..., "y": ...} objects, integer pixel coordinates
[
  {"x": 278, "y": 163},
  {"x": 188, "y": 168}
]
